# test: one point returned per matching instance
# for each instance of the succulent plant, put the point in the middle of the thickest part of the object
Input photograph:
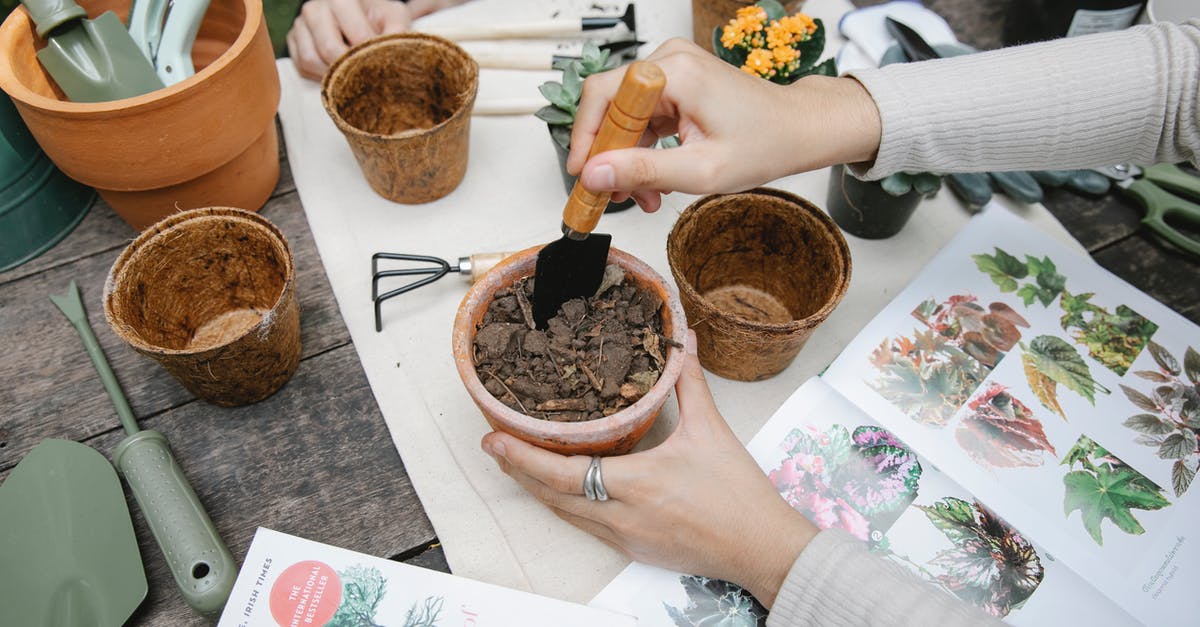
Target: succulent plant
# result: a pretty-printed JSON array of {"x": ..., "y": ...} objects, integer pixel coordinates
[{"x": 564, "y": 96}]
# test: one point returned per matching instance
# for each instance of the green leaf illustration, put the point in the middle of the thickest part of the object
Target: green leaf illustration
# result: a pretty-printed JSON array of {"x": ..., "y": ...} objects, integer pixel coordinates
[
  {"x": 1107, "y": 488},
  {"x": 1181, "y": 476},
  {"x": 1142, "y": 401},
  {"x": 1191, "y": 365},
  {"x": 1003, "y": 268},
  {"x": 1164, "y": 359},
  {"x": 1178, "y": 445},
  {"x": 1054, "y": 358},
  {"x": 1148, "y": 424}
]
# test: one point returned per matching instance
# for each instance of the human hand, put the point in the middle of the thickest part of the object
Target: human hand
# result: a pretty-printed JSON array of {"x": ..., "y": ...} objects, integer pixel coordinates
[
  {"x": 325, "y": 29},
  {"x": 683, "y": 505},
  {"x": 736, "y": 130}
]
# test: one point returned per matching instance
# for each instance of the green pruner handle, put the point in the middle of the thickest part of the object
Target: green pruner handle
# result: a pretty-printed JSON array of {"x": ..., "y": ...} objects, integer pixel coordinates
[
  {"x": 1162, "y": 205},
  {"x": 1172, "y": 178},
  {"x": 203, "y": 568}
]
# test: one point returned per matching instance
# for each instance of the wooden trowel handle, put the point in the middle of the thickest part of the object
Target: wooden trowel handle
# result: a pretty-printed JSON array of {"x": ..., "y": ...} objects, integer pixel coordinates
[{"x": 623, "y": 125}]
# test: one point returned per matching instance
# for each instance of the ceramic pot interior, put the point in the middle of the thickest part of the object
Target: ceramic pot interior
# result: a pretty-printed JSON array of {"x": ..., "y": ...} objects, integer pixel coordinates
[
  {"x": 401, "y": 84},
  {"x": 201, "y": 283},
  {"x": 758, "y": 256},
  {"x": 222, "y": 24}
]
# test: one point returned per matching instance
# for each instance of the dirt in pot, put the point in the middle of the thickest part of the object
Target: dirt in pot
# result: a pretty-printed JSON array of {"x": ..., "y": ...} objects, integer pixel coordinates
[{"x": 597, "y": 356}]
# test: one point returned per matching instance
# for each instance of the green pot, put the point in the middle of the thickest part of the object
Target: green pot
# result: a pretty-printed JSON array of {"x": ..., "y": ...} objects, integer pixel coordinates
[
  {"x": 39, "y": 205},
  {"x": 569, "y": 181},
  {"x": 864, "y": 209}
]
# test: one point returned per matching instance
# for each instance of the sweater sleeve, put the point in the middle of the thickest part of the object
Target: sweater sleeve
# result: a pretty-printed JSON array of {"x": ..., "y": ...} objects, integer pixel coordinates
[
  {"x": 836, "y": 582},
  {"x": 1131, "y": 95}
]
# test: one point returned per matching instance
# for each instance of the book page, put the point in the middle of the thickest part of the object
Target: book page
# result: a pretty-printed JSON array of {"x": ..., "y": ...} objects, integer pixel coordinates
[
  {"x": 1055, "y": 392},
  {"x": 836, "y": 465},
  {"x": 288, "y": 581}
]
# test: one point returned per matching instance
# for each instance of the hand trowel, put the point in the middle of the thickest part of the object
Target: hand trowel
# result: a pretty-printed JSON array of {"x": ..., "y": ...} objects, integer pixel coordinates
[
  {"x": 202, "y": 567},
  {"x": 573, "y": 266},
  {"x": 92, "y": 60}
]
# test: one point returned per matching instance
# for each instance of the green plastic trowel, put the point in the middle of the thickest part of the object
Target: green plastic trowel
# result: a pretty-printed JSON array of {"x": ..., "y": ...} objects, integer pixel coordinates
[
  {"x": 68, "y": 554},
  {"x": 92, "y": 60},
  {"x": 202, "y": 567}
]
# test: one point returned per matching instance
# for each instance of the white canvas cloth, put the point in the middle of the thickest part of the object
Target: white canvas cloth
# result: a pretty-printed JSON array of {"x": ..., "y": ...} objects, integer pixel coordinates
[{"x": 512, "y": 198}]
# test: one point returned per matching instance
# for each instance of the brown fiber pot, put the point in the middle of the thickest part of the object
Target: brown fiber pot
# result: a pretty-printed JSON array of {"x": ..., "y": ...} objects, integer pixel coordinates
[
  {"x": 709, "y": 14},
  {"x": 210, "y": 294},
  {"x": 207, "y": 140},
  {"x": 404, "y": 104},
  {"x": 611, "y": 435},
  {"x": 757, "y": 272}
]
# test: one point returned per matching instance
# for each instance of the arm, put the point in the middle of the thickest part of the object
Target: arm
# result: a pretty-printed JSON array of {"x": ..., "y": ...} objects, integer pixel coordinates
[
  {"x": 1131, "y": 95},
  {"x": 682, "y": 505}
]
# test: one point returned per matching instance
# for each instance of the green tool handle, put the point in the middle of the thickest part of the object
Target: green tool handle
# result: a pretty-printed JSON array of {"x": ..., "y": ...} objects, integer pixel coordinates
[
  {"x": 107, "y": 376},
  {"x": 1170, "y": 177},
  {"x": 1161, "y": 205},
  {"x": 203, "y": 568}
]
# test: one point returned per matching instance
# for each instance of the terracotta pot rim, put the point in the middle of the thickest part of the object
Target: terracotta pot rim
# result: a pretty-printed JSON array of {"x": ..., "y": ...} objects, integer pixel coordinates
[
  {"x": 20, "y": 19},
  {"x": 464, "y": 109},
  {"x": 692, "y": 213},
  {"x": 164, "y": 228},
  {"x": 464, "y": 334}
]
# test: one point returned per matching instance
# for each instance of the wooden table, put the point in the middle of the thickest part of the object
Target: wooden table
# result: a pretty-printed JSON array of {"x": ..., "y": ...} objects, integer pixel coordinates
[{"x": 316, "y": 459}]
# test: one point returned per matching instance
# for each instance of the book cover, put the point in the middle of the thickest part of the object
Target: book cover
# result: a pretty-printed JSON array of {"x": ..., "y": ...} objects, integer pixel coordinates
[
  {"x": 1022, "y": 436},
  {"x": 286, "y": 581}
]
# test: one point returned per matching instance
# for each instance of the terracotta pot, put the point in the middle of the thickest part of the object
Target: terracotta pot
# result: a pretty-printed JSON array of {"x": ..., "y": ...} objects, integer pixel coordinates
[
  {"x": 757, "y": 273},
  {"x": 210, "y": 294},
  {"x": 206, "y": 140},
  {"x": 611, "y": 435},
  {"x": 709, "y": 14},
  {"x": 404, "y": 103}
]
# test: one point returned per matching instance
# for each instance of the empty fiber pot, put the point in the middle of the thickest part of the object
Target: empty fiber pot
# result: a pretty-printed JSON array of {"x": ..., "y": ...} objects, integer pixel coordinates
[
  {"x": 207, "y": 140},
  {"x": 757, "y": 272},
  {"x": 404, "y": 104},
  {"x": 611, "y": 435},
  {"x": 210, "y": 295}
]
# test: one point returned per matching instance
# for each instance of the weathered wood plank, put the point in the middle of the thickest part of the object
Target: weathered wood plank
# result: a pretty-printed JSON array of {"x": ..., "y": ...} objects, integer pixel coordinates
[
  {"x": 314, "y": 460},
  {"x": 48, "y": 387},
  {"x": 1168, "y": 275},
  {"x": 1096, "y": 222}
]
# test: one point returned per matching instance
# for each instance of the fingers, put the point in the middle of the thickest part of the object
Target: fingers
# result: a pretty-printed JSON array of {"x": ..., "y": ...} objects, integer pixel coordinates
[
  {"x": 350, "y": 17},
  {"x": 559, "y": 472},
  {"x": 695, "y": 399},
  {"x": 686, "y": 169},
  {"x": 389, "y": 16}
]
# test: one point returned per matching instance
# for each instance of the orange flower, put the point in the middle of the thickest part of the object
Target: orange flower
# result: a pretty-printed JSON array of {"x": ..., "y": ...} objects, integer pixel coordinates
[
  {"x": 784, "y": 56},
  {"x": 743, "y": 29},
  {"x": 759, "y": 62}
]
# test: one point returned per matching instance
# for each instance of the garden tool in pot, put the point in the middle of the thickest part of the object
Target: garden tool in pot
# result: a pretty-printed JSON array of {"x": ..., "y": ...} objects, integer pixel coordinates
[
  {"x": 173, "y": 58},
  {"x": 469, "y": 268},
  {"x": 91, "y": 60},
  {"x": 70, "y": 556},
  {"x": 202, "y": 567},
  {"x": 573, "y": 266}
]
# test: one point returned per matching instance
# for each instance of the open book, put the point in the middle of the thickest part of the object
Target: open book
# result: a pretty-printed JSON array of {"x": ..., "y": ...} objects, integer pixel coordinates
[
  {"x": 288, "y": 581},
  {"x": 1018, "y": 427}
]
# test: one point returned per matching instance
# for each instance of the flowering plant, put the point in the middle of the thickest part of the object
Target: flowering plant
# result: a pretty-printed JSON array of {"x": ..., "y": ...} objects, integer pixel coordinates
[{"x": 764, "y": 41}]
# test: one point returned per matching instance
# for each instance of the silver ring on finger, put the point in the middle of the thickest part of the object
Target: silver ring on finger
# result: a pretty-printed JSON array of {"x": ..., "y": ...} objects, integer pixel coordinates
[{"x": 589, "y": 486}]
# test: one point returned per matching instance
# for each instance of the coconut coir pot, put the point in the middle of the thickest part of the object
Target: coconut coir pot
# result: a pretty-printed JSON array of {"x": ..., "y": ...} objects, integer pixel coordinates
[
  {"x": 208, "y": 140},
  {"x": 757, "y": 272},
  {"x": 210, "y": 295},
  {"x": 404, "y": 103},
  {"x": 611, "y": 435}
]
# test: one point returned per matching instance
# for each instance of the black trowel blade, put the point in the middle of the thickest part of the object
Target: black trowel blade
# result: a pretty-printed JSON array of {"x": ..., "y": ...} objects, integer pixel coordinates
[{"x": 566, "y": 269}]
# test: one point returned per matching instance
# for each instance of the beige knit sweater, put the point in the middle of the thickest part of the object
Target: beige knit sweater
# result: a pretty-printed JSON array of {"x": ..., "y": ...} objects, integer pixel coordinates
[
  {"x": 1127, "y": 96},
  {"x": 1132, "y": 95}
]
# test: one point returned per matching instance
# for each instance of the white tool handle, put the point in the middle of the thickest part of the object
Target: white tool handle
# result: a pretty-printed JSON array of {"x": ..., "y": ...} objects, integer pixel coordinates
[
  {"x": 512, "y": 60},
  {"x": 508, "y": 106},
  {"x": 173, "y": 62},
  {"x": 519, "y": 30},
  {"x": 145, "y": 25}
]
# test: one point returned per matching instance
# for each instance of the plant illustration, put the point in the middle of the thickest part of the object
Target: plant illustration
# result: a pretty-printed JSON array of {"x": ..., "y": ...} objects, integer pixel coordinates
[
  {"x": 926, "y": 377},
  {"x": 1001, "y": 431},
  {"x": 1106, "y": 487},
  {"x": 1113, "y": 339},
  {"x": 763, "y": 40},
  {"x": 1171, "y": 424},
  {"x": 564, "y": 96},
  {"x": 1050, "y": 361},
  {"x": 985, "y": 334},
  {"x": 716, "y": 603},
  {"x": 362, "y": 589},
  {"x": 991, "y": 564},
  {"x": 424, "y": 613},
  {"x": 855, "y": 482}
]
